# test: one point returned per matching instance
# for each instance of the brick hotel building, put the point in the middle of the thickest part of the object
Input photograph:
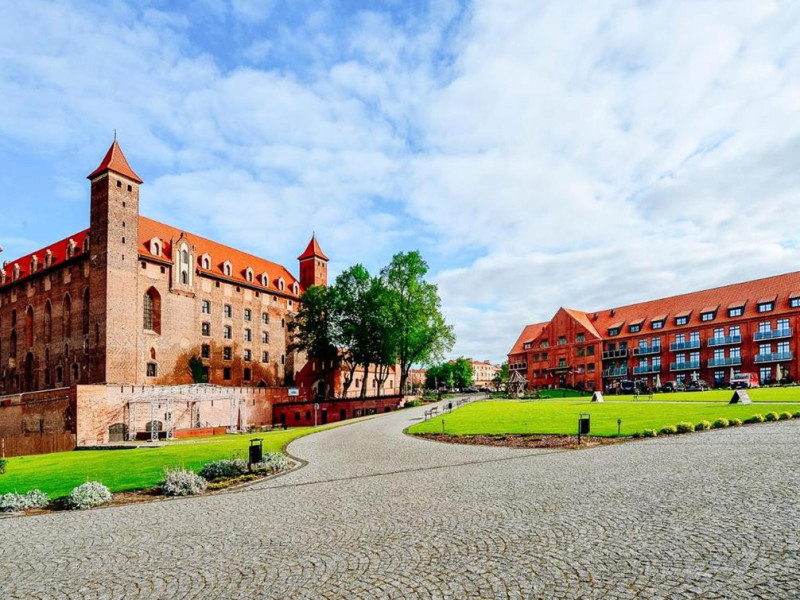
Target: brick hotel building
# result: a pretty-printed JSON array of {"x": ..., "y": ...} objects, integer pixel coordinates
[{"x": 712, "y": 335}]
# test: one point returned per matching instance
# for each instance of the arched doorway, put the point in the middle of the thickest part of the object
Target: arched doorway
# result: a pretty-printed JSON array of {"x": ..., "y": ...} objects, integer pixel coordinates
[
  {"x": 118, "y": 432},
  {"x": 28, "y": 373}
]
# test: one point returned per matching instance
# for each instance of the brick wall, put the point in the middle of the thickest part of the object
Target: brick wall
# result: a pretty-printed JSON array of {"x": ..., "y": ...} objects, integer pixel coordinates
[{"x": 50, "y": 411}]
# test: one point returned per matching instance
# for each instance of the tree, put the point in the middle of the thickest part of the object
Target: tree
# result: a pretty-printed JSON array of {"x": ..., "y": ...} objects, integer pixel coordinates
[
  {"x": 462, "y": 372},
  {"x": 501, "y": 377},
  {"x": 439, "y": 376},
  {"x": 420, "y": 331},
  {"x": 312, "y": 331},
  {"x": 196, "y": 368}
]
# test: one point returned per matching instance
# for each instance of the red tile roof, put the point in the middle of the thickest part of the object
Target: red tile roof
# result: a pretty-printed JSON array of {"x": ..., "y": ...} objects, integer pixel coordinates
[
  {"x": 530, "y": 333},
  {"x": 768, "y": 289},
  {"x": 59, "y": 255},
  {"x": 583, "y": 319},
  {"x": 313, "y": 250},
  {"x": 115, "y": 161},
  {"x": 219, "y": 253},
  {"x": 710, "y": 309}
]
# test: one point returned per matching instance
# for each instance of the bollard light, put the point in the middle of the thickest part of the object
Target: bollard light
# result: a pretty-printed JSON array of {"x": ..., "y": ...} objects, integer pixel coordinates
[
  {"x": 442, "y": 426},
  {"x": 619, "y": 426}
]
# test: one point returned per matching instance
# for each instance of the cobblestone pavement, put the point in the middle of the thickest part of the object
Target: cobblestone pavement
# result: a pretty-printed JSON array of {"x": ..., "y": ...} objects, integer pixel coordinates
[{"x": 376, "y": 514}]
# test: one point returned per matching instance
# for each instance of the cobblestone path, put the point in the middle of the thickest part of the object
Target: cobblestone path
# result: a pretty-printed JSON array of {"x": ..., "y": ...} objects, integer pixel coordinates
[{"x": 376, "y": 514}]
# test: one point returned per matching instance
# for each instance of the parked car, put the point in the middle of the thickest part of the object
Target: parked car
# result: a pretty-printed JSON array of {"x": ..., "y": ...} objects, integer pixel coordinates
[
  {"x": 698, "y": 385},
  {"x": 673, "y": 386},
  {"x": 626, "y": 386},
  {"x": 470, "y": 390},
  {"x": 744, "y": 381}
]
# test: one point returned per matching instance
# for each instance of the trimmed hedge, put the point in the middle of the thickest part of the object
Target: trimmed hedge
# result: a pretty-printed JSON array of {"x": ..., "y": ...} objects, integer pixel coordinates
[
  {"x": 772, "y": 416},
  {"x": 757, "y": 418},
  {"x": 720, "y": 423},
  {"x": 669, "y": 430},
  {"x": 684, "y": 427},
  {"x": 182, "y": 482},
  {"x": 703, "y": 425},
  {"x": 88, "y": 495},
  {"x": 14, "y": 502},
  {"x": 736, "y": 422},
  {"x": 650, "y": 433},
  {"x": 785, "y": 415}
]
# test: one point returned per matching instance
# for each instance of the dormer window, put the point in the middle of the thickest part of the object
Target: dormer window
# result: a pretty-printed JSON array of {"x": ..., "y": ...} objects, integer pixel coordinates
[
  {"x": 526, "y": 346},
  {"x": 707, "y": 316},
  {"x": 71, "y": 245},
  {"x": 227, "y": 268},
  {"x": 205, "y": 262},
  {"x": 295, "y": 288},
  {"x": 248, "y": 274},
  {"x": 281, "y": 284},
  {"x": 613, "y": 331},
  {"x": 265, "y": 280},
  {"x": 185, "y": 264},
  {"x": 766, "y": 307},
  {"x": 48, "y": 258},
  {"x": 794, "y": 300},
  {"x": 635, "y": 328},
  {"x": 86, "y": 244},
  {"x": 34, "y": 264},
  {"x": 155, "y": 247},
  {"x": 15, "y": 272},
  {"x": 681, "y": 320}
]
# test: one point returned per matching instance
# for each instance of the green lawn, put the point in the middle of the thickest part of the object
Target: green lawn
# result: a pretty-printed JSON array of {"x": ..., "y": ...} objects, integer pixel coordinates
[
  {"x": 120, "y": 470},
  {"x": 775, "y": 394},
  {"x": 561, "y": 416}
]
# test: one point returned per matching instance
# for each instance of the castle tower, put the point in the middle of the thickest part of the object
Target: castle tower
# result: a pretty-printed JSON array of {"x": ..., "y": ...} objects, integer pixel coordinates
[
  {"x": 114, "y": 309},
  {"x": 313, "y": 265}
]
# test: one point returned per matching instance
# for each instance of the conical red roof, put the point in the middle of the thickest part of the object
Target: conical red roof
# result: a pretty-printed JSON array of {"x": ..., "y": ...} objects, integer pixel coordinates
[
  {"x": 115, "y": 161},
  {"x": 313, "y": 250}
]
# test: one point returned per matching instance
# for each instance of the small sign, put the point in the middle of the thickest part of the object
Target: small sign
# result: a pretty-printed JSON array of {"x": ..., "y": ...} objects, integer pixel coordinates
[
  {"x": 597, "y": 397},
  {"x": 740, "y": 397},
  {"x": 316, "y": 405},
  {"x": 294, "y": 392}
]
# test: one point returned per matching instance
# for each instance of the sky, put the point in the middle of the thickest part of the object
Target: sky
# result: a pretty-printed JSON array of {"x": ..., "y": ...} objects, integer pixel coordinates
[{"x": 537, "y": 153}]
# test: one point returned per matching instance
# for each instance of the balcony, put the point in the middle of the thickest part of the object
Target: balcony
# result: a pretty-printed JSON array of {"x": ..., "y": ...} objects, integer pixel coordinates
[
  {"x": 729, "y": 361},
  {"x": 612, "y": 354},
  {"x": 690, "y": 345},
  {"x": 725, "y": 341},
  {"x": 685, "y": 366},
  {"x": 646, "y": 369},
  {"x": 773, "y": 357},
  {"x": 620, "y": 372},
  {"x": 644, "y": 350},
  {"x": 772, "y": 334}
]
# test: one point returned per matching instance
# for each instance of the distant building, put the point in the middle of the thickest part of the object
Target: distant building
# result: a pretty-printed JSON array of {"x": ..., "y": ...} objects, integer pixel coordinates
[
  {"x": 712, "y": 335},
  {"x": 483, "y": 372}
]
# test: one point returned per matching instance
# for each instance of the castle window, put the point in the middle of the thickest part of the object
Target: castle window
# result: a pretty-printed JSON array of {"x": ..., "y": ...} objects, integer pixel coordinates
[
  {"x": 227, "y": 353},
  {"x": 248, "y": 335},
  {"x": 264, "y": 318},
  {"x": 152, "y": 369},
  {"x": 75, "y": 373},
  {"x": 86, "y": 244},
  {"x": 295, "y": 288},
  {"x": 227, "y": 310},
  {"x": 248, "y": 315},
  {"x": 119, "y": 183},
  {"x": 248, "y": 274},
  {"x": 265, "y": 280},
  {"x": 12, "y": 345},
  {"x": 283, "y": 359},
  {"x": 227, "y": 332},
  {"x": 206, "y": 307},
  {"x": 205, "y": 262},
  {"x": 59, "y": 374},
  {"x": 155, "y": 247},
  {"x": 248, "y": 355},
  {"x": 152, "y": 310},
  {"x": 130, "y": 188},
  {"x": 281, "y": 284},
  {"x": 48, "y": 322},
  {"x": 205, "y": 351},
  {"x": 206, "y": 329},
  {"x": 265, "y": 357},
  {"x": 226, "y": 373},
  {"x": 264, "y": 337},
  {"x": 227, "y": 268},
  {"x": 185, "y": 265},
  {"x": 247, "y": 374},
  {"x": 29, "y": 327}
]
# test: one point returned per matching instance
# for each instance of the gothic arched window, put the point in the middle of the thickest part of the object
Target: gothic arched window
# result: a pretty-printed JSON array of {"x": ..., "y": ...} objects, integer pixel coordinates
[{"x": 152, "y": 310}]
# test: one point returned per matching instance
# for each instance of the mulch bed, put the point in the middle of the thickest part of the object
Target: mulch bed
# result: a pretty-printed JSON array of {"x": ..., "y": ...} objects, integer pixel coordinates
[{"x": 566, "y": 442}]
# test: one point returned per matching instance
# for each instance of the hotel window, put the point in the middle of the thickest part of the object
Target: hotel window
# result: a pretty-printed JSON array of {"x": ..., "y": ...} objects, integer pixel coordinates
[
  {"x": 562, "y": 362},
  {"x": 206, "y": 329},
  {"x": 580, "y": 338},
  {"x": 736, "y": 312},
  {"x": 227, "y": 311},
  {"x": 526, "y": 346},
  {"x": 264, "y": 337},
  {"x": 735, "y": 352},
  {"x": 782, "y": 325},
  {"x": 536, "y": 357},
  {"x": 581, "y": 351},
  {"x": 614, "y": 331},
  {"x": 707, "y": 316},
  {"x": 562, "y": 340},
  {"x": 680, "y": 338},
  {"x": 248, "y": 355},
  {"x": 694, "y": 357},
  {"x": 681, "y": 320},
  {"x": 783, "y": 347},
  {"x": 227, "y": 332},
  {"x": 657, "y": 324},
  {"x": 227, "y": 353},
  {"x": 264, "y": 318},
  {"x": 680, "y": 358},
  {"x": 765, "y": 348},
  {"x": 265, "y": 357},
  {"x": 766, "y": 307},
  {"x": 719, "y": 332},
  {"x": 544, "y": 355},
  {"x": 636, "y": 328},
  {"x": 248, "y": 335},
  {"x": 794, "y": 302},
  {"x": 205, "y": 351},
  {"x": 590, "y": 367},
  {"x": 694, "y": 336},
  {"x": 590, "y": 351},
  {"x": 734, "y": 330},
  {"x": 544, "y": 344},
  {"x": 719, "y": 353},
  {"x": 656, "y": 342},
  {"x": 656, "y": 363},
  {"x": 206, "y": 307},
  {"x": 719, "y": 377},
  {"x": 152, "y": 369},
  {"x": 764, "y": 327},
  {"x": 248, "y": 315}
]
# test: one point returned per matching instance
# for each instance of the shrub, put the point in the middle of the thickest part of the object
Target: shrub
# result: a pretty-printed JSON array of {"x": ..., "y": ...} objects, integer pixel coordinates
[
  {"x": 703, "y": 426},
  {"x": 785, "y": 415},
  {"x": 720, "y": 423},
  {"x": 772, "y": 416},
  {"x": 684, "y": 427},
  {"x": 736, "y": 422},
  {"x": 272, "y": 462},
  {"x": 636, "y": 435},
  {"x": 412, "y": 403},
  {"x": 3, "y": 463},
  {"x": 757, "y": 418},
  {"x": 650, "y": 433},
  {"x": 13, "y": 502},
  {"x": 223, "y": 469},
  {"x": 796, "y": 415},
  {"x": 88, "y": 495},
  {"x": 182, "y": 482},
  {"x": 669, "y": 430}
]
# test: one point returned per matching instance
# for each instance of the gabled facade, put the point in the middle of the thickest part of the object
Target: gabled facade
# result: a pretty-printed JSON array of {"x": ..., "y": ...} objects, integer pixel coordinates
[{"x": 711, "y": 335}]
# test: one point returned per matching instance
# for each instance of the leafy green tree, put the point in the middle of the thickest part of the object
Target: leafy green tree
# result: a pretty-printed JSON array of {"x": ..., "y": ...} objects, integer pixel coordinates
[
  {"x": 501, "y": 377},
  {"x": 312, "y": 331},
  {"x": 421, "y": 334},
  {"x": 196, "y": 367},
  {"x": 463, "y": 372},
  {"x": 439, "y": 376}
]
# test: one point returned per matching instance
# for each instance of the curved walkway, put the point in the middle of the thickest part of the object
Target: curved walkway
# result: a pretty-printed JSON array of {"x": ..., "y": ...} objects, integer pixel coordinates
[{"x": 376, "y": 514}]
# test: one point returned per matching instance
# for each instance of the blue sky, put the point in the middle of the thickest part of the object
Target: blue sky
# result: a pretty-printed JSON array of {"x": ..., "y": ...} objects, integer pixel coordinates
[{"x": 538, "y": 153}]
